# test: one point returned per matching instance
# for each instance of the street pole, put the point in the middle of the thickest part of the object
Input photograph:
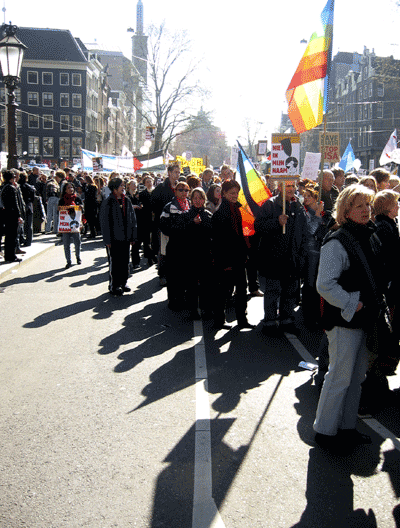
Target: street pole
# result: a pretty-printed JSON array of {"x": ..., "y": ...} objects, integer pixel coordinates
[
  {"x": 12, "y": 160},
  {"x": 11, "y": 55}
]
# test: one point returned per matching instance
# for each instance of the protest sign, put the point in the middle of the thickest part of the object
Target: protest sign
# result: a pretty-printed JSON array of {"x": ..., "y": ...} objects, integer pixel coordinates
[
  {"x": 69, "y": 218},
  {"x": 196, "y": 164},
  {"x": 311, "y": 165},
  {"x": 285, "y": 160},
  {"x": 332, "y": 146},
  {"x": 97, "y": 164}
]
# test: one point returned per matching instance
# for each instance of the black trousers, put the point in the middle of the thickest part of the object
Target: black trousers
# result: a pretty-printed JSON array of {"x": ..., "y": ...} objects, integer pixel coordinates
[
  {"x": 118, "y": 262},
  {"x": 11, "y": 234},
  {"x": 227, "y": 281}
]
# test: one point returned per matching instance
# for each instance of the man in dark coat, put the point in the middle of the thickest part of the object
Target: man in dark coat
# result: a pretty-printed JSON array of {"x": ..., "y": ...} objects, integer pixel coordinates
[
  {"x": 118, "y": 227},
  {"x": 28, "y": 194},
  {"x": 281, "y": 255},
  {"x": 13, "y": 215},
  {"x": 160, "y": 197}
]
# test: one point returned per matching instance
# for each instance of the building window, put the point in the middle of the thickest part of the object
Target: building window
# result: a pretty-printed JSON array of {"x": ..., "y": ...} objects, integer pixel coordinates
[
  {"x": 379, "y": 110},
  {"x": 76, "y": 147},
  {"x": 48, "y": 146},
  {"x": 48, "y": 122},
  {"x": 360, "y": 114},
  {"x": 359, "y": 94},
  {"x": 64, "y": 100},
  {"x": 47, "y": 99},
  {"x": 370, "y": 136},
  {"x": 33, "y": 77},
  {"x": 64, "y": 123},
  {"x": 33, "y": 146},
  {"x": 365, "y": 136},
  {"x": 366, "y": 111},
  {"x": 47, "y": 78},
  {"x": 360, "y": 137},
  {"x": 18, "y": 95},
  {"x": 370, "y": 111},
  {"x": 33, "y": 99},
  {"x": 77, "y": 123},
  {"x": 76, "y": 79},
  {"x": 76, "y": 100},
  {"x": 33, "y": 121},
  {"x": 64, "y": 147},
  {"x": 380, "y": 91},
  {"x": 370, "y": 93},
  {"x": 64, "y": 79}
]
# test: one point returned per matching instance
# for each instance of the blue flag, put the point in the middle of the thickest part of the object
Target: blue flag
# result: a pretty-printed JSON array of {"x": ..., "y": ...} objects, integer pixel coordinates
[{"x": 347, "y": 161}]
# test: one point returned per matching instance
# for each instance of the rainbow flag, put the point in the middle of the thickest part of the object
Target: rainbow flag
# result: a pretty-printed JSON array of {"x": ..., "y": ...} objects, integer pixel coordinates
[
  {"x": 253, "y": 192},
  {"x": 307, "y": 92}
]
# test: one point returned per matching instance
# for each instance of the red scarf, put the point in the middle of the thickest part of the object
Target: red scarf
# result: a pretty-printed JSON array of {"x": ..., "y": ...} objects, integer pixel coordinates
[{"x": 184, "y": 204}]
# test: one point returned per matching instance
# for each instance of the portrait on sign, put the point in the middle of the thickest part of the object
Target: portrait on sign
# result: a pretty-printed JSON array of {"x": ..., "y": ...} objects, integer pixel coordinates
[
  {"x": 285, "y": 155},
  {"x": 69, "y": 219}
]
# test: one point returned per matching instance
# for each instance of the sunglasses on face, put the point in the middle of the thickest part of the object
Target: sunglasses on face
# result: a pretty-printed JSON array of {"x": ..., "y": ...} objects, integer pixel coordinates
[{"x": 183, "y": 190}]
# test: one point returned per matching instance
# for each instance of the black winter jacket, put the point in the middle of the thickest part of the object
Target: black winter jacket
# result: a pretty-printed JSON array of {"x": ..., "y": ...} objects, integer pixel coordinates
[
  {"x": 229, "y": 245},
  {"x": 282, "y": 254},
  {"x": 115, "y": 227}
]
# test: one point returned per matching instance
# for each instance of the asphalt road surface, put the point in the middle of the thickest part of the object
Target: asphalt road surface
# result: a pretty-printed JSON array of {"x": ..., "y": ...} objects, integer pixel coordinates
[{"x": 117, "y": 412}]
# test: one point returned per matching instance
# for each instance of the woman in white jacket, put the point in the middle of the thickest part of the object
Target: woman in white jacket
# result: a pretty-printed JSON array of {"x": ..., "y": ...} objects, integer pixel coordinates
[{"x": 348, "y": 281}]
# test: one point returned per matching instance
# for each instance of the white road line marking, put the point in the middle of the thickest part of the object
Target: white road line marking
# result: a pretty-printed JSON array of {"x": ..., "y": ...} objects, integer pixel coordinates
[
  {"x": 371, "y": 422},
  {"x": 205, "y": 512}
]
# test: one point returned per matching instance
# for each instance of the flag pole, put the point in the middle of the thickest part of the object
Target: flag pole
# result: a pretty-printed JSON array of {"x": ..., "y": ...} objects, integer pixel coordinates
[{"x": 321, "y": 176}]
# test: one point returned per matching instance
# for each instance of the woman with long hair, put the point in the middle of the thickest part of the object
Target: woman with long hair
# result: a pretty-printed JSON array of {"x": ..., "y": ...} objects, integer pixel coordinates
[
  {"x": 230, "y": 255},
  {"x": 70, "y": 199},
  {"x": 214, "y": 197}
]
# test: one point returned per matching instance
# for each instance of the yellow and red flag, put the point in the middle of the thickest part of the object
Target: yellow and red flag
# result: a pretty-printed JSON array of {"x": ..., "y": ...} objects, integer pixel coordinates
[{"x": 308, "y": 90}]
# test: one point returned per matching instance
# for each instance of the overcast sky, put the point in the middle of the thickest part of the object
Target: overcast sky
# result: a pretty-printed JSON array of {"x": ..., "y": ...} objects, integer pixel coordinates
[{"x": 250, "y": 49}]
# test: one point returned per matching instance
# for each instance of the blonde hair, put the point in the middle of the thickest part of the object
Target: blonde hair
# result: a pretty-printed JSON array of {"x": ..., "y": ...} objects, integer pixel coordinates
[
  {"x": 346, "y": 199},
  {"x": 384, "y": 201},
  {"x": 394, "y": 182},
  {"x": 365, "y": 179}
]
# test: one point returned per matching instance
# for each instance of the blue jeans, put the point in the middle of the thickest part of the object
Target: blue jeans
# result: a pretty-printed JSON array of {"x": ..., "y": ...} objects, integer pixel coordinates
[
  {"x": 67, "y": 238},
  {"x": 52, "y": 214}
]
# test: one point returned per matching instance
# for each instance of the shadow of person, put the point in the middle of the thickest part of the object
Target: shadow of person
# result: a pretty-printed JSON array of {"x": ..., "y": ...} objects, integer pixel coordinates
[
  {"x": 245, "y": 365},
  {"x": 330, "y": 494},
  {"x": 391, "y": 466},
  {"x": 171, "y": 377},
  {"x": 174, "y": 491},
  {"x": 67, "y": 311},
  {"x": 306, "y": 407},
  {"x": 396, "y": 516}
]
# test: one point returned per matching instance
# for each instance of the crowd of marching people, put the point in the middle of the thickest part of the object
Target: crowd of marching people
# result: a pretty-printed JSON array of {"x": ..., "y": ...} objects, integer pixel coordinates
[{"x": 330, "y": 245}]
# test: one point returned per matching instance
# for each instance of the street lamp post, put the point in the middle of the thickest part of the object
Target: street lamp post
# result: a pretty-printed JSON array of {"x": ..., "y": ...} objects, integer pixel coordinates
[{"x": 11, "y": 55}]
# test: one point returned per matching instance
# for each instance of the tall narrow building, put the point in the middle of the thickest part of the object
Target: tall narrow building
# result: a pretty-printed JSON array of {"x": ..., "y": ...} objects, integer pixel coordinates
[
  {"x": 139, "y": 44},
  {"x": 139, "y": 59}
]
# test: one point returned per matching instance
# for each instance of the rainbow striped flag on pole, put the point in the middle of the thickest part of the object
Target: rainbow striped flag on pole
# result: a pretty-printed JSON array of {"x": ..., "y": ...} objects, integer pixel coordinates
[
  {"x": 307, "y": 92},
  {"x": 253, "y": 192}
]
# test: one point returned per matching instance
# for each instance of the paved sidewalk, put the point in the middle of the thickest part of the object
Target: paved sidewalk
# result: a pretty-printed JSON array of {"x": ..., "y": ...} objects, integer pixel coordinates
[{"x": 40, "y": 244}]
